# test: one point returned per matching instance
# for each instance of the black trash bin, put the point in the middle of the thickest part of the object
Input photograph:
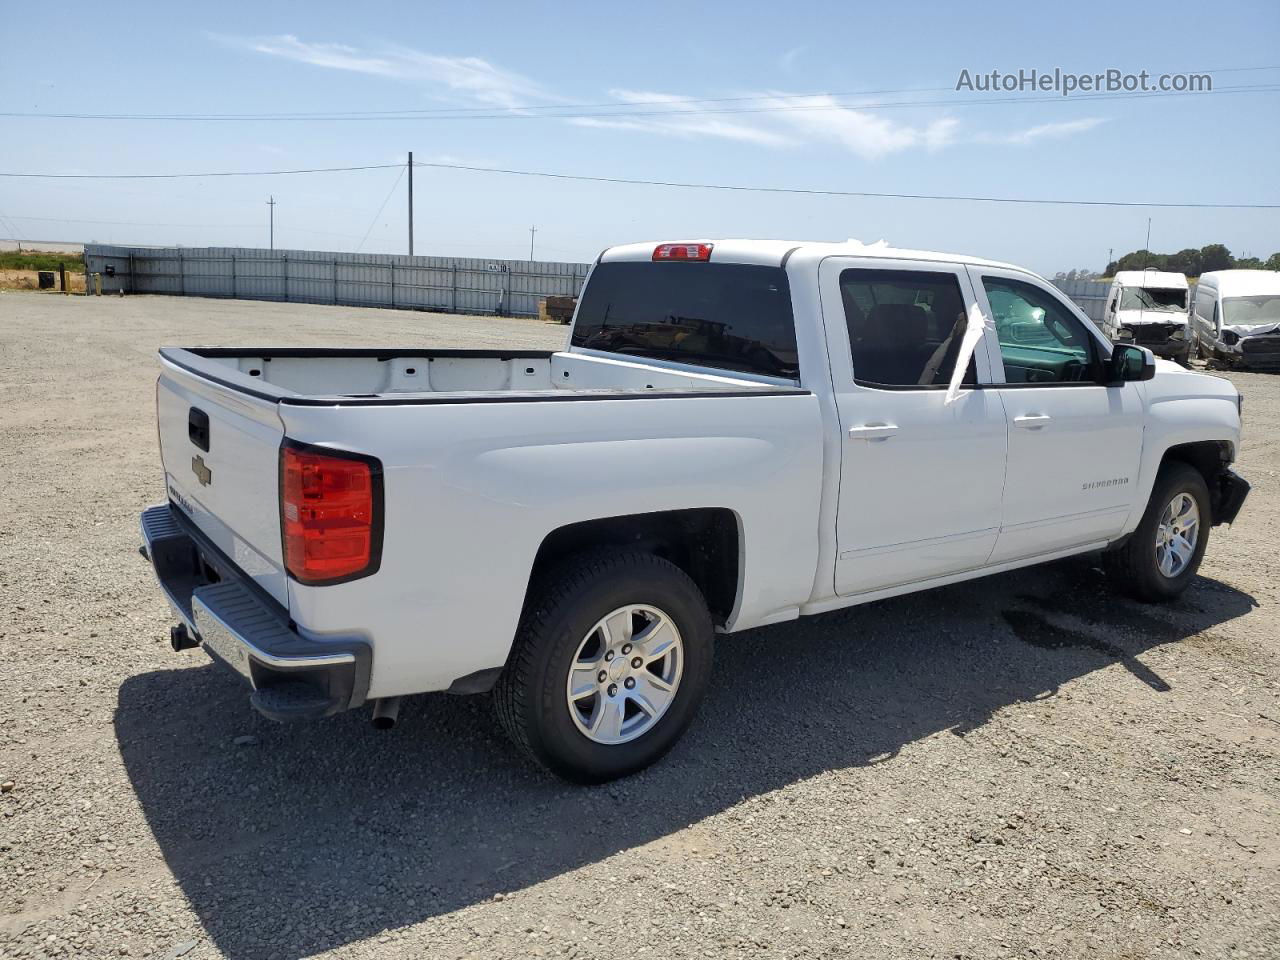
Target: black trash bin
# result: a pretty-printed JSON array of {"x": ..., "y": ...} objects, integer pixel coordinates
[{"x": 46, "y": 279}]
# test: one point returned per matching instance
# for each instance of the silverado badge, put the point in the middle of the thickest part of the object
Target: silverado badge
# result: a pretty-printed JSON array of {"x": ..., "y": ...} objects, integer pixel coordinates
[{"x": 203, "y": 473}]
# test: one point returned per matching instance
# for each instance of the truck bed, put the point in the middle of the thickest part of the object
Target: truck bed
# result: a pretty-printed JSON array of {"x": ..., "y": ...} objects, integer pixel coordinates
[
  {"x": 476, "y": 473},
  {"x": 325, "y": 376}
]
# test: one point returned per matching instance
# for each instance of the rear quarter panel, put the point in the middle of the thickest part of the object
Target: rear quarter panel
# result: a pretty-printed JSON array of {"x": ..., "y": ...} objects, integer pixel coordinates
[{"x": 473, "y": 489}]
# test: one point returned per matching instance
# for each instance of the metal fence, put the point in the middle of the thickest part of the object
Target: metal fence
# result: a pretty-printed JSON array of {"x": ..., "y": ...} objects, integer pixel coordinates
[
  {"x": 1089, "y": 295},
  {"x": 454, "y": 284}
]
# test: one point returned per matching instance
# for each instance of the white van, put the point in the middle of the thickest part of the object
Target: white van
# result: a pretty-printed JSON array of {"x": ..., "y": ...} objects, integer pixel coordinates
[
  {"x": 1149, "y": 308},
  {"x": 1236, "y": 317}
]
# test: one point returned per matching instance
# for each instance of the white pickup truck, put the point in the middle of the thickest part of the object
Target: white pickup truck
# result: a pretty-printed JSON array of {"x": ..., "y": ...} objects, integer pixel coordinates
[{"x": 738, "y": 433}]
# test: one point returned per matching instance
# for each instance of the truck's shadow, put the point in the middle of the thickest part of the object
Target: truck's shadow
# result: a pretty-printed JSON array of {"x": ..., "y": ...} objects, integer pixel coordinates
[{"x": 319, "y": 835}]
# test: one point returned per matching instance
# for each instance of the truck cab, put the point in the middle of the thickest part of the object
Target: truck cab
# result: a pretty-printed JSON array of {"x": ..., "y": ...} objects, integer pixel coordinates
[{"x": 1150, "y": 308}]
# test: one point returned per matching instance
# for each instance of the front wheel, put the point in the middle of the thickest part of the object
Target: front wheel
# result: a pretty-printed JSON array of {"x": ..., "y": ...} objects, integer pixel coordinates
[
  {"x": 1159, "y": 560},
  {"x": 609, "y": 665}
]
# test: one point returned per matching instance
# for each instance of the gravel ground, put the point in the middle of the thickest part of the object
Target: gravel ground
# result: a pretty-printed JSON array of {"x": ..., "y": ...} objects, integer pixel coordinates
[{"x": 1027, "y": 766}]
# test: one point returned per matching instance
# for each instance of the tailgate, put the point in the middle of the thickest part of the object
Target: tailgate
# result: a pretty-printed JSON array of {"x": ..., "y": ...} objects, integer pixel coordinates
[{"x": 221, "y": 453}]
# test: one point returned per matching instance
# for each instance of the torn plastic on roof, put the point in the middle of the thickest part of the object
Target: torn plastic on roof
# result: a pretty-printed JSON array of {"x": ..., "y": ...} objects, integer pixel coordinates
[{"x": 978, "y": 325}]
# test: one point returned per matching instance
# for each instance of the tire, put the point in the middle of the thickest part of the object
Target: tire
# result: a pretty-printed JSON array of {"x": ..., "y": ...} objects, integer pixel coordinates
[
  {"x": 1135, "y": 566},
  {"x": 564, "y": 623}
]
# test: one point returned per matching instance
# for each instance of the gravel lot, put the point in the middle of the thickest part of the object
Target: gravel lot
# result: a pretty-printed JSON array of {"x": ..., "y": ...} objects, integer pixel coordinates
[{"x": 1027, "y": 766}]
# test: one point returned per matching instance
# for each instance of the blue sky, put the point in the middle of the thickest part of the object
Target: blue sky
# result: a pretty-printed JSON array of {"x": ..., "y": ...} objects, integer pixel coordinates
[{"x": 511, "y": 60}]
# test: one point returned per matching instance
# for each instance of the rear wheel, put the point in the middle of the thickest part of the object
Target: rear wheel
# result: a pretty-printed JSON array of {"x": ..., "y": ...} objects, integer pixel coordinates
[
  {"x": 610, "y": 663},
  {"x": 1162, "y": 556}
]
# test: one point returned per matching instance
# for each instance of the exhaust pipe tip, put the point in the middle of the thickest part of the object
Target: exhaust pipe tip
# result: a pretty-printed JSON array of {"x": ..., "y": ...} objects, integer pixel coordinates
[
  {"x": 180, "y": 639},
  {"x": 385, "y": 712}
]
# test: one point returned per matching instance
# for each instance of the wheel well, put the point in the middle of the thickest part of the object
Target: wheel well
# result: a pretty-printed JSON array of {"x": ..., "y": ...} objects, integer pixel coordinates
[
  {"x": 702, "y": 542},
  {"x": 1210, "y": 457}
]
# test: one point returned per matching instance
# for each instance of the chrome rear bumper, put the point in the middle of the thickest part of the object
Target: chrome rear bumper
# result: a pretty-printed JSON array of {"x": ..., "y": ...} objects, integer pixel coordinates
[{"x": 292, "y": 676}]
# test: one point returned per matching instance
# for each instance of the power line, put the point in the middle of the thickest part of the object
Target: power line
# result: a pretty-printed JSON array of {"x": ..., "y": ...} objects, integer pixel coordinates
[
  {"x": 842, "y": 193},
  {"x": 7, "y": 223},
  {"x": 403, "y": 168},
  {"x": 412, "y": 111},
  {"x": 742, "y": 188},
  {"x": 408, "y": 112},
  {"x": 190, "y": 176},
  {"x": 204, "y": 226},
  {"x": 131, "y": 223},
  {"x": 623, "y": 110}
]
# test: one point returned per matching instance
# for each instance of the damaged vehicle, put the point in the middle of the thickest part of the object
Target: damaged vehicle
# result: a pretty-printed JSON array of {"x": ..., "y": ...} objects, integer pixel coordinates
[
  {"x": 1149, "y": 308},
  {"x": 1236, "y": 318},
  {"x": 737, "y": 433}
]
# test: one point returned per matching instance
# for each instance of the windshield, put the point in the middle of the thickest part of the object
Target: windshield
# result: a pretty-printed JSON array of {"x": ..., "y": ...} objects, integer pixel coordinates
[
  {"x": 1153, "y": 298},
  {"x": 1250, "y": 311}
]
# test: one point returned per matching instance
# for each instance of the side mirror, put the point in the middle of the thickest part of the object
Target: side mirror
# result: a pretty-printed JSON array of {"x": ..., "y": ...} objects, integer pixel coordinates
[{"x": 1127, "y": 363}]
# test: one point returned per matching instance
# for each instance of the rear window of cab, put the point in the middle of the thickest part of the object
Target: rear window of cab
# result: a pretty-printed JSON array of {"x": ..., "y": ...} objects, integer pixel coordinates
[{"x": 730, "y": 316}]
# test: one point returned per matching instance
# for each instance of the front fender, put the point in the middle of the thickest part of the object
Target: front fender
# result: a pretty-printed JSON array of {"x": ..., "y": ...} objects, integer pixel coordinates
[{"x": 1175, "y": 421}]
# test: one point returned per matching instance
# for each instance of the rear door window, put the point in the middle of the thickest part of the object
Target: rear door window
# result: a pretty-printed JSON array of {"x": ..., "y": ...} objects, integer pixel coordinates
[
  {"x": 905, "y": 327},
  {"x": 725, "y": 315}
]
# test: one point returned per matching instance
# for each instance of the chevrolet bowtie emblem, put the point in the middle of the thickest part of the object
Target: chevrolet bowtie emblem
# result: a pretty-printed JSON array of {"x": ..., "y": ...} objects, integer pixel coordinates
[{"x": 203, "y": 473}]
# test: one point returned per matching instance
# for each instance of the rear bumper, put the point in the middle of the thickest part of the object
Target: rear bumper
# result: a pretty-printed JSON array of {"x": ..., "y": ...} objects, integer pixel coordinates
[{"x": 292, "y": 676}]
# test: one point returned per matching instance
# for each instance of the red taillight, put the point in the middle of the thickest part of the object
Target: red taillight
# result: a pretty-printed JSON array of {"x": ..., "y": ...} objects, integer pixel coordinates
[
  {"x": 682, "y": 251},
  {"x": 330, "y": 514}
]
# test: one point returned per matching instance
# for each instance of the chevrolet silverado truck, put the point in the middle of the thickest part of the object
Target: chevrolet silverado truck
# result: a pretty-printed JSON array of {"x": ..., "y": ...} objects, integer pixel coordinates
[{"x": 737, "y": 433}]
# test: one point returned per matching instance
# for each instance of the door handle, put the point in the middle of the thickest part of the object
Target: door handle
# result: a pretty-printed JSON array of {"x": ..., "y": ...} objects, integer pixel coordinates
[
  {"x": 1032, "y": 421},
  {"x": 873, "y": 431}
]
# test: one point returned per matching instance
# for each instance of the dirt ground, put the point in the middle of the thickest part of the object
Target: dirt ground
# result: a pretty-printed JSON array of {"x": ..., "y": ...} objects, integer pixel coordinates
[{"x": 1026, "y": 766}]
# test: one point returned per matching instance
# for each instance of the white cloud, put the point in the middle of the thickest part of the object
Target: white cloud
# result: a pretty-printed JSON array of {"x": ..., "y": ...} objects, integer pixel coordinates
[
  {"x": 673, "y": 122},
  {"x": 775, "y": 120},
  {"x": 782, "y": 120},
  {"x": 686, "y": 128},
  {"x": 867, "y": 134},
  {"x": 471, "y": 77},
  {"x": 1044, "y": 131}
]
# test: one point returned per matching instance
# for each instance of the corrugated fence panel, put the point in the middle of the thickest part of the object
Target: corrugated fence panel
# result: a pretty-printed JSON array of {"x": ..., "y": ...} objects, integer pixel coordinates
[
  {"x": 456, "y": 284},
  {"x": 1089, "y": 295}
]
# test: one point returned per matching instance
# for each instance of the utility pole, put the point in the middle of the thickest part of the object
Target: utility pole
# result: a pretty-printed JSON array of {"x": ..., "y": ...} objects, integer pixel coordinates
[
  {"x": 1148, "y": 246},
  {"x": 532, "y": 231},
  {"x": 411, "y": 203},
  {"x": 272, "y": 204}
]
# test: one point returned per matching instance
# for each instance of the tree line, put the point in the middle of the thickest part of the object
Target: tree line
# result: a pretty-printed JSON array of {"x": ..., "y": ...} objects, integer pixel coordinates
[{"x": 1192, "y": 262}]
